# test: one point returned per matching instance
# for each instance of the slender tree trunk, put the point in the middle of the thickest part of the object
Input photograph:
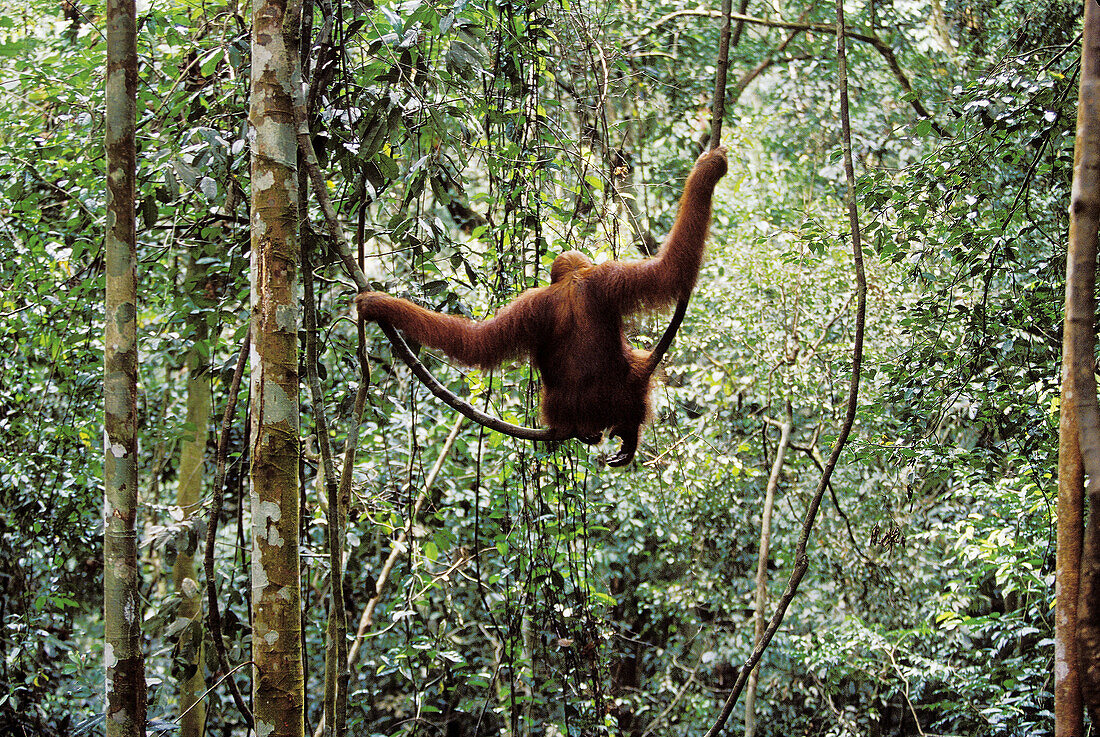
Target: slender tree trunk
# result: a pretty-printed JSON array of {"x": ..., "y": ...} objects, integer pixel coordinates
[
  {"x": 941, "y": 31},
  {"x": 760, "y": 619},
  {"x": 125, "y": 667},
  {"x": 1079, "y": 339},
  {"x": 801, "y": 560},
  {"x": 216, "y": 503},
  {"x": 278, "y": 688},
  {"x": 1068, "y": 721},
  {"x": 337, "y": 674},
  {"x": 192, "y": 679}
]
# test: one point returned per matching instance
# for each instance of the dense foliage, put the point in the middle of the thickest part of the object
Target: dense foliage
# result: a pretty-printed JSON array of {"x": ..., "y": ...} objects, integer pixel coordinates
[{"x": 537, "y": 591}]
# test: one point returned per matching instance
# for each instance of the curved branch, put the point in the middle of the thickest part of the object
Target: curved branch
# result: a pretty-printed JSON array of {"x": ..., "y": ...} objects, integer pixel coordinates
[
  {"x": 663, "y": 344},
  {"x": 458, "y": 403},
  {"x": 400, "y": 347},
  {"x": 884, "y": 49},
  {"x": 717, "y": 114},
  {"x": 802, "y": 561}
]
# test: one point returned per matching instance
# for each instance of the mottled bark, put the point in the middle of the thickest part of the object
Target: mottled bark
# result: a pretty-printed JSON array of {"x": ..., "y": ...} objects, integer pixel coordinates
[
  {"x": 278, "y": 690},
  {"x": 190, "y": 662},
  {"x": 125, "y": 668}
]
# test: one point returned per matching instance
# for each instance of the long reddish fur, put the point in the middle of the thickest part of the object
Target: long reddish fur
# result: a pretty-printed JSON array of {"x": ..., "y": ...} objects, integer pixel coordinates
[{"x": 572, "y": 329}]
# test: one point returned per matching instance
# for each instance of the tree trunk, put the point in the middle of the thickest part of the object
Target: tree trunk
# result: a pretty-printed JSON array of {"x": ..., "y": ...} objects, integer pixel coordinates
[
  {"x": 125, "y": 667},
  {"x": 759, "y": 617},
  {"x": 192, "y": 680},
  {"x": 1068, "y": 720},
  {"x": 278, "y": 689},
  {"x": 1079, "y": 337}
]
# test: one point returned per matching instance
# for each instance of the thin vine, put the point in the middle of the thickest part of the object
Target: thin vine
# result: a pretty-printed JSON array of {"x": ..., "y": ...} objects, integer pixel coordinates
[{"x": 802, "y": 561}]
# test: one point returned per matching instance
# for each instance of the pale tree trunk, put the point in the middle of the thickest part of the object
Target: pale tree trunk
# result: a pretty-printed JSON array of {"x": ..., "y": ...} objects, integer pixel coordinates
[
  {"x": 759, "y": 617},
  {"x": 1080, "y": 408},
  {"x": 122, "y": 613},
  {"x": 278, "y": 689},
  {"x": 940, "y": 29},
  {"x": 192, "y": 680}
]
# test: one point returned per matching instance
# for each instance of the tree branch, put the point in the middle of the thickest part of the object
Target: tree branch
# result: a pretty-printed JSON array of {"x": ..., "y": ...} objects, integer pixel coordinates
[
  {"x": 884, "y": 49},
  {"x": 400, "y": 347},
  {"x": 214, "y": 618},
  {"x": 802, "y": 561}
]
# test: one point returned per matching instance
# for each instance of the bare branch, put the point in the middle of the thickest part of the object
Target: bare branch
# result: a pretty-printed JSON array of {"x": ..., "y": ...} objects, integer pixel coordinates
[
  {"x": 802, "y": 561},
  {"x": 884, "y": 49}
]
